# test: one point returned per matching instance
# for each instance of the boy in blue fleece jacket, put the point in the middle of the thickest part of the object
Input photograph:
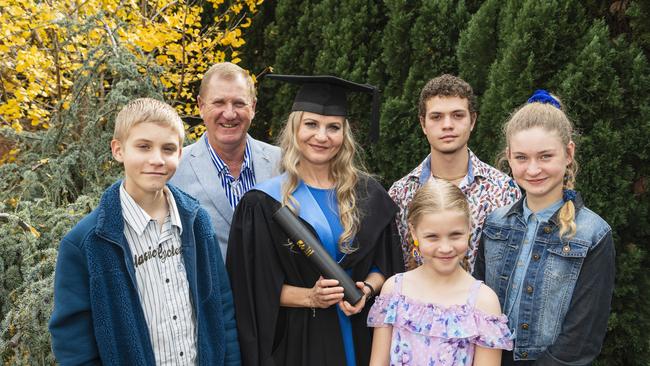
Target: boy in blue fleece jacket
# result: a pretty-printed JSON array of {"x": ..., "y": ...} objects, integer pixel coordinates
[{"x": 140, "y": 280}]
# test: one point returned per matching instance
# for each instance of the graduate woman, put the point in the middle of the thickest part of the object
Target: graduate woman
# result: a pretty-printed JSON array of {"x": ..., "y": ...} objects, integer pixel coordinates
[{"x": 287, "y": 313}]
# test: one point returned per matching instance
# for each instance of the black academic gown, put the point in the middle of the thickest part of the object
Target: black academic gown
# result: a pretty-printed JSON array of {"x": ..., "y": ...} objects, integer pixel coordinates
[{"x": 260, "y": 260}]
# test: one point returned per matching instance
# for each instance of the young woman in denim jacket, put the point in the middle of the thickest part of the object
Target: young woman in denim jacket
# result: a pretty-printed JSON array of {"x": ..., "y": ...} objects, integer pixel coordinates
[{"x": 548, "y": 257}]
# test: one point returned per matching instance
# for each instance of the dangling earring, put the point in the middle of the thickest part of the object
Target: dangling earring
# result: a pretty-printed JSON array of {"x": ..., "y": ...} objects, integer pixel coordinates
[{"x": 415, "y": 252}]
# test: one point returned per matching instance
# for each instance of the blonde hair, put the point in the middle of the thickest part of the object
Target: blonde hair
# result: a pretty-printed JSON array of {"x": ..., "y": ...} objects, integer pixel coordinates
[
  {"x": 344, "y": 169},
  {"x": 435, "y": 197},
  {"x": 551, "y": 119},
  {"x": 228, "y": 71},
  {"x": 143, "y": 110}
]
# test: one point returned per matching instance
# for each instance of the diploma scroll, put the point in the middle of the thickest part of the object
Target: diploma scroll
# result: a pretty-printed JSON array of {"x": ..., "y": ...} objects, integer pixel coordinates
[{"x": 314, "y": 251}]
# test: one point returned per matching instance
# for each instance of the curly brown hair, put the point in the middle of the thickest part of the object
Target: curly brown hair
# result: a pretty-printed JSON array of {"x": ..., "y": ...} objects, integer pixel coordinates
[{"x": 447, "y": 86}]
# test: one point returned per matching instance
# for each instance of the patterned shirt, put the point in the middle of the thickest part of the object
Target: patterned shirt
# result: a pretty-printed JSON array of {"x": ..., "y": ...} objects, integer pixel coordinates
[
  {"x": 486, "y": 189},
  {"x": 161, "y": 279},
  {"x": 235, "y": 188}
]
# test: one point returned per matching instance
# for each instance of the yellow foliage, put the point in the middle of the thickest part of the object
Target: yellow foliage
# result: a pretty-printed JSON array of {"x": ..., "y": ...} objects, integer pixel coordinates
[
  {"x": 247, "y": 23},
  {"x": 34, "y": 232},
  {"x": 12, "y": 202},
  {"x": 45, "y": 44}
]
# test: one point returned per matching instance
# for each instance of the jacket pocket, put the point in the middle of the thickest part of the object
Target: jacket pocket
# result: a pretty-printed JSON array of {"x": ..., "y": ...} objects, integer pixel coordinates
[
  {"x": 565, "y": 260},
  {"x": 561, "y": 270},
  {"x": 495, "y": 241}
]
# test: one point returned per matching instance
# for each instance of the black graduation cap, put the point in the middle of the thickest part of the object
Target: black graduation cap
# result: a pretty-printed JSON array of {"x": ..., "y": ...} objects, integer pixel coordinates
[{"x": 327, "y": 95}]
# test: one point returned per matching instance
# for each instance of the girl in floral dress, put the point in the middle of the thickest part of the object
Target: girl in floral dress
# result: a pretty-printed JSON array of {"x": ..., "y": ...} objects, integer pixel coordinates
[{"x": 438, "y": 314}]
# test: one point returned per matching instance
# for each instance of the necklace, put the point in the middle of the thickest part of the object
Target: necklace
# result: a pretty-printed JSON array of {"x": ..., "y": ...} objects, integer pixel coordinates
[{"x": 449, "y": 179}]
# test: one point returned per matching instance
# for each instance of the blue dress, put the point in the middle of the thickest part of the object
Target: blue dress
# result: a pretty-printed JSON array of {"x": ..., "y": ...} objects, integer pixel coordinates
[{"x": 326, "y": 199}]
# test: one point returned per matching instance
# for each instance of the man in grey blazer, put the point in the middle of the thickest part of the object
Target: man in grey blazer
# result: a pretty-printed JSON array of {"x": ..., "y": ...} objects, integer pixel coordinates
[{"x": 225, "y": 162}]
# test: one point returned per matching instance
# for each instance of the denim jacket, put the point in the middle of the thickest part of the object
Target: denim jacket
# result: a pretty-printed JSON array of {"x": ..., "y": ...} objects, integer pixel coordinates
[{"x": 567, "y": 287}]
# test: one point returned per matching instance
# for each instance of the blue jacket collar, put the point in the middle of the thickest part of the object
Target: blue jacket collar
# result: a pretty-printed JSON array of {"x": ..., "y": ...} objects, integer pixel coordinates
[{"x": 110, "y": 223}]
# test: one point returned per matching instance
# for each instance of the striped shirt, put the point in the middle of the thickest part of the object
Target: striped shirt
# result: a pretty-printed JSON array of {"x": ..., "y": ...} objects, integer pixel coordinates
[
  {"x": 235, "y": 188},
  {"x": 161, "y": 280}
]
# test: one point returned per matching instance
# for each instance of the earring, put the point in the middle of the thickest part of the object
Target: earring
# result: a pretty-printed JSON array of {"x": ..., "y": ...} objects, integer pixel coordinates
[
  {"x": 415, "y": 243},
  {"x": 415, "y": 253}
]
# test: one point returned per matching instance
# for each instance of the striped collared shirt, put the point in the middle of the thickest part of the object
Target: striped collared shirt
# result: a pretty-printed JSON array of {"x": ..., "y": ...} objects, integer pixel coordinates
[
  {"x": 161, "y": 279},
  {"x": 235, "y": 188}
]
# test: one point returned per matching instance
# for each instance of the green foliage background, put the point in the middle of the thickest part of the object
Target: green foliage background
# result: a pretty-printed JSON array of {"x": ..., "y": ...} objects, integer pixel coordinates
[
  {"x": 57, "y": 179},
  {"x": 593, "y": 54}
]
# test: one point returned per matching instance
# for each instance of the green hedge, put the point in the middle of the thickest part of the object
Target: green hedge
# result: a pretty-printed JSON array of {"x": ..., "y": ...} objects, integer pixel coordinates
[{"x": 593, "y": 54}]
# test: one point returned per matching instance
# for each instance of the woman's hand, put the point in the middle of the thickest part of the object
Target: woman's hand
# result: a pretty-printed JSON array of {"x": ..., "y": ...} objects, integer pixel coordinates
[
  {"x": 348, "y": 309},
  {"x": 325, "y": 293}
]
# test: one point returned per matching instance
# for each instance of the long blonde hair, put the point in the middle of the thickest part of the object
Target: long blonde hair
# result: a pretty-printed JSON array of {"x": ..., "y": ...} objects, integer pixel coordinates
[
  {"x": 435, "y": 197},
  {"x": 551, "y": 119},
  {"x": 345, "y": 170}
]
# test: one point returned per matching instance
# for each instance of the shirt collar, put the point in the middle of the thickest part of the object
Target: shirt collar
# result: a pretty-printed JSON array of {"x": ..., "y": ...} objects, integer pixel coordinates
[
  {"x": 479, "y": 168},
  {"x": 139, "y": 222},
  {"x": 518, "y": 208},
  {"x": 544, "y": 214},
  {"x": 473, "y": 161},
  {"x": 222, "y": 166},
  {"x": 173, "y": 210}
]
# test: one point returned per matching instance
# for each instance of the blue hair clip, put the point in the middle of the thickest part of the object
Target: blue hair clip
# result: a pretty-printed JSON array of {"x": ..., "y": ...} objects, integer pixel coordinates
[
  {"x": 542, "y": 96},
  {"x": 568, "y": 195}
]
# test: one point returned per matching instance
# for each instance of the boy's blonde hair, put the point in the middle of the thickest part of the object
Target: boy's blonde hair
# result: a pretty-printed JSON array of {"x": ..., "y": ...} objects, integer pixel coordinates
[{"x": 147, "y": 110}]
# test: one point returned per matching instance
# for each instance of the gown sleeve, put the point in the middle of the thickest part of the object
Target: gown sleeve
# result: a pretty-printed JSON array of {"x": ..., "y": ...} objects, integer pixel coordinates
[
  {"x": 389, "y": 259},
  {"x": 256, "y": 276}
]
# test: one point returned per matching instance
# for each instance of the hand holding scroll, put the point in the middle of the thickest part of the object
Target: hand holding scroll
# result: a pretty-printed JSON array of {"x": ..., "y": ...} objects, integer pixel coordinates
[
  {"x": 349, "y": 309},
  {"x": 325, "y": 293}
]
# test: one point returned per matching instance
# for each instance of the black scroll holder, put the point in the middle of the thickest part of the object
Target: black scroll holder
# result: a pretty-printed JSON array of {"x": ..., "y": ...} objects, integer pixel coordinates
[{"x": 312, "y": 248}]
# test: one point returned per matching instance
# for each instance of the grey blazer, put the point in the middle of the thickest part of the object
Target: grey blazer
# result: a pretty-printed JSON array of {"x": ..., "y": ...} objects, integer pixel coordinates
[{"x": 197, "y": 175}]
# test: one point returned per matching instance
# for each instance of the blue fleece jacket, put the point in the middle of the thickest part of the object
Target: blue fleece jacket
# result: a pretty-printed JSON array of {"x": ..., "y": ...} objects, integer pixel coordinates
[{"x": 98, "y": 318}]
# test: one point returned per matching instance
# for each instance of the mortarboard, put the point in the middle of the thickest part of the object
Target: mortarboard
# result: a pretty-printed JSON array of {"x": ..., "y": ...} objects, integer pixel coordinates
[{"x": 327, "y": 95}]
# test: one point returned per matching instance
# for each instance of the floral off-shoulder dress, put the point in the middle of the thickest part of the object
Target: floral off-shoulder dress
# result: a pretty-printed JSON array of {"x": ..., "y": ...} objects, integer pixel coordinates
[{"x": 431, "y": 334}]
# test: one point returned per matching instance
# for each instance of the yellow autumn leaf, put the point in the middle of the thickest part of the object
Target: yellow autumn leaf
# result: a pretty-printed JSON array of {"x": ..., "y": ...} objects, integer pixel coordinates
[
  {"x": 247, "y": 23},
  {"x": 159, "y": 33},
  {"x": 34, "y": 232}
]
